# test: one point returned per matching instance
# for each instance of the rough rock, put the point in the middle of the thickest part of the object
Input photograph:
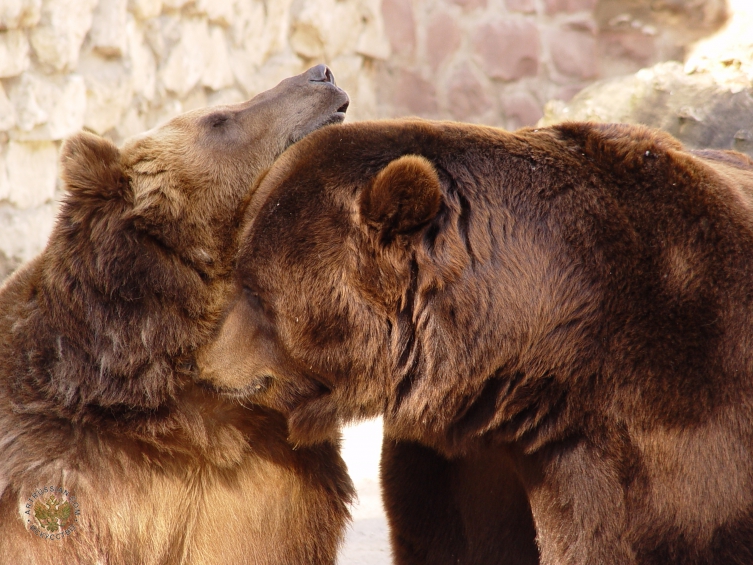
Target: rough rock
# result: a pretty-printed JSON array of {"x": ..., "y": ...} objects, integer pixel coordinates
[
  {"x": 188, "y": 59},
  {"x": 108, "y": 31},
  {"x": 58, "y": 37},
  {"x": 24, "y": 233},
  {"x": 7, "y": 114},
  {"x": 47, "y": 107},
  {"x": 109, "y": 90},
  {"x": 32, "y": 173},
  {"x": 14, "y": 53},
  {"x": 145, "y": 9},
  {"x": 696, "y": 107},
  {"x": 218, "y": 73},
  {"x": 16, "y": 14}
]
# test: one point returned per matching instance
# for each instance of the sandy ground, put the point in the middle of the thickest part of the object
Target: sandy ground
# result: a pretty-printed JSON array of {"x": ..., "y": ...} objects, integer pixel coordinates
[{"x": 367, "y": 541}]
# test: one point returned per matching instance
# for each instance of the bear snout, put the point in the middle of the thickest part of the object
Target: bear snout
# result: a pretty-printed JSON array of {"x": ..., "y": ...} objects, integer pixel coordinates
[{"x": 321, "y": 73}]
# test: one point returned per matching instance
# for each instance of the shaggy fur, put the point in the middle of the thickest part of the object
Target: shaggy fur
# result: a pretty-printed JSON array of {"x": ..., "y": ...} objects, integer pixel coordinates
[
  {"x": 576, "y": 313},
  {"x": 98, "y": 338}
]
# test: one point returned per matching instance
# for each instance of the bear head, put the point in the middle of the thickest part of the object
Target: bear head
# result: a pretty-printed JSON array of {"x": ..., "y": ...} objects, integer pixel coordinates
[{"x": 135, "y": 272}]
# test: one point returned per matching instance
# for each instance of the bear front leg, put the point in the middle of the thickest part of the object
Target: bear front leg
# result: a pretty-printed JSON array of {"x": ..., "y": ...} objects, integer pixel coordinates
[
  {"x": 579, "y": 507},
  {"x": 468, "y": 511}
]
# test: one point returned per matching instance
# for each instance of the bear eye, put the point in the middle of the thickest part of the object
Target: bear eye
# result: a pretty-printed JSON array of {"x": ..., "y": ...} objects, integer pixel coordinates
[
  {"x": 253, "y": 298},
  {"x": 218, "y": 120}
]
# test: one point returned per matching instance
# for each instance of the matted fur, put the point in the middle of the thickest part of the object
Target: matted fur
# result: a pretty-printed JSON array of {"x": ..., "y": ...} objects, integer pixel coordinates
[
  {"x": 576, "y": 314},
  {"x": 98, "y": 338}
]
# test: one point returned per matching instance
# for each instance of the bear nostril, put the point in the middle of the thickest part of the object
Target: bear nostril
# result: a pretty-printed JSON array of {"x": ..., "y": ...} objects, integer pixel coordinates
[{"x": 321, "y": 73}]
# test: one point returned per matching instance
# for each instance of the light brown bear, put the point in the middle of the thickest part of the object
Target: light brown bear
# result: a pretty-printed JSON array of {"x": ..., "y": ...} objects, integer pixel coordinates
[
  {"x": 557, "y": 317},
  {"x": 110, "y": 452}
]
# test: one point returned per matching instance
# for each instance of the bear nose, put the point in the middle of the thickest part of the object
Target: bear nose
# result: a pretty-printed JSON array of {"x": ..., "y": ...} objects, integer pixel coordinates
[{"x": 321, "y": 73}]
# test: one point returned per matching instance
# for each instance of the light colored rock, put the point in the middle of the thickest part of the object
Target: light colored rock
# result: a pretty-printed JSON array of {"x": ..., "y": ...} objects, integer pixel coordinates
[
  {"x": 324, "y": 29},
  {"x": 108, "y": 31},
  {"x": 16, "y": 14},
  {"x": 272, "y": 72},
  {"x": 221, "y": 12},
  {"x": 373, "y": 42},
  {"x": 24, "y": 233},
  {"x": 4, "y": 183},
  {"x": 132, "y": 123},
  {"x": 145, "y": 9},
  {"x": 259, "y": 31},
  {"x": 218, "y": 74},
  {"x": 174, "y": 4},
  {"x": 143, "y": 67},
  {"x": 61, "y": 31},
  {"x": 227, "y": 96},
  {"x": 14, "y": 53},
  {"x": 188, "y": 59},
  {"x": 32, "y": 172},
  {"x": 109, "y": 91},
  {"x": 358, "y": 81},
  {"x": 47, "y": 107},
  {"x": 7, "y": 111},
  {"x": 696, "y": 108},
  {"x": 247, "y": 27}
]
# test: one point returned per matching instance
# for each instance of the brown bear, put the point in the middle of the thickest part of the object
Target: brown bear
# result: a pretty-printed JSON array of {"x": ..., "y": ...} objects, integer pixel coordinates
[
  {"x": 560, "y": 318},
  {"x": 111, "y": 452}
]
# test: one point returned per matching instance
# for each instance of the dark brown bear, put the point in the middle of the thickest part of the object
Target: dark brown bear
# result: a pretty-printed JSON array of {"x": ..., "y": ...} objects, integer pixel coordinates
[
  {"x": 570, "y": 307},
  {"x": 110, "y": 452}
]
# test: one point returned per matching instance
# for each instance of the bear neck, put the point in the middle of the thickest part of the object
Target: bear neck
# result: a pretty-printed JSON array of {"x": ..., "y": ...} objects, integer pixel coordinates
[{"x": 111, "y": 325}]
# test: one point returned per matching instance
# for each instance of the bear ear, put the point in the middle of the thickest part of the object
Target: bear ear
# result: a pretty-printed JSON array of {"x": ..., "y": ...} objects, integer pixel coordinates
[
  {"x": 90, "y": 166},
  {"x": 404, "y": 196}
]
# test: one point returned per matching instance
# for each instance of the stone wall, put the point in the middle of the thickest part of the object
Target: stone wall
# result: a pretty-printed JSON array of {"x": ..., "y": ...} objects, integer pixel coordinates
[{"x": 118, "y": 67}]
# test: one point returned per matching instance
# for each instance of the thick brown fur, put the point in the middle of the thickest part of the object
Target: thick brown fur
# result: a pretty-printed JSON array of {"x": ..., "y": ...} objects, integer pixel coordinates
[
  {"x": 98, "y": 339},
  {"x": 577, "y": 313}
]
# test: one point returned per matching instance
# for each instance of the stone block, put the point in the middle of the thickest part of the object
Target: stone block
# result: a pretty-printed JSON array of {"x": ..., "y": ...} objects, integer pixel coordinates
[
  {"x": 7, "y": 265},
  {"x": 249, "y": 32},
  {"x": 358, "y": 81},
  {"x": 108, "y": 32},
  {"x": 24, "y": 233},
  {"x": 221, "y": 12},
  {"x": 143, "y": 66},
  {"x": 324, "y": 29},
  {"x": 187, "y": 60},
  {"x": 470, "y": 4},
  {"x": 4, "y": 183},
  {"x": 109, "y": 91},
  {"x": 174, "y": 5},
  {"x": 466, "y": 95},
  {"x": 634, "y": 45},
  {"x": 569, "y": 6},
  {"x": 7, "y": 111},
  {"x": 14, "y": 53},
  {"x": 32, "y": 172},
  {"x": 414, "y": 95},
  {"x": 47, "y": 107},
  {"x": 61, "y": 31},
  {"x": 521, "y": 109},
  {"x": 523, "y": 6},
  {"x": 275, "y": 70},
  {"x": 574, "y": 53},
  {"x": 373, "y": 42},
  {"x": 15, "y": 14},
  {"x": 442, "y": 39},
  {"x": 130, "y": 124},
  {"x": 508, "y": 49},
  {"x": 400, "y": 25},
  {"x": 145, "y": 9},
  {"x": 218, "y": 74}
]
